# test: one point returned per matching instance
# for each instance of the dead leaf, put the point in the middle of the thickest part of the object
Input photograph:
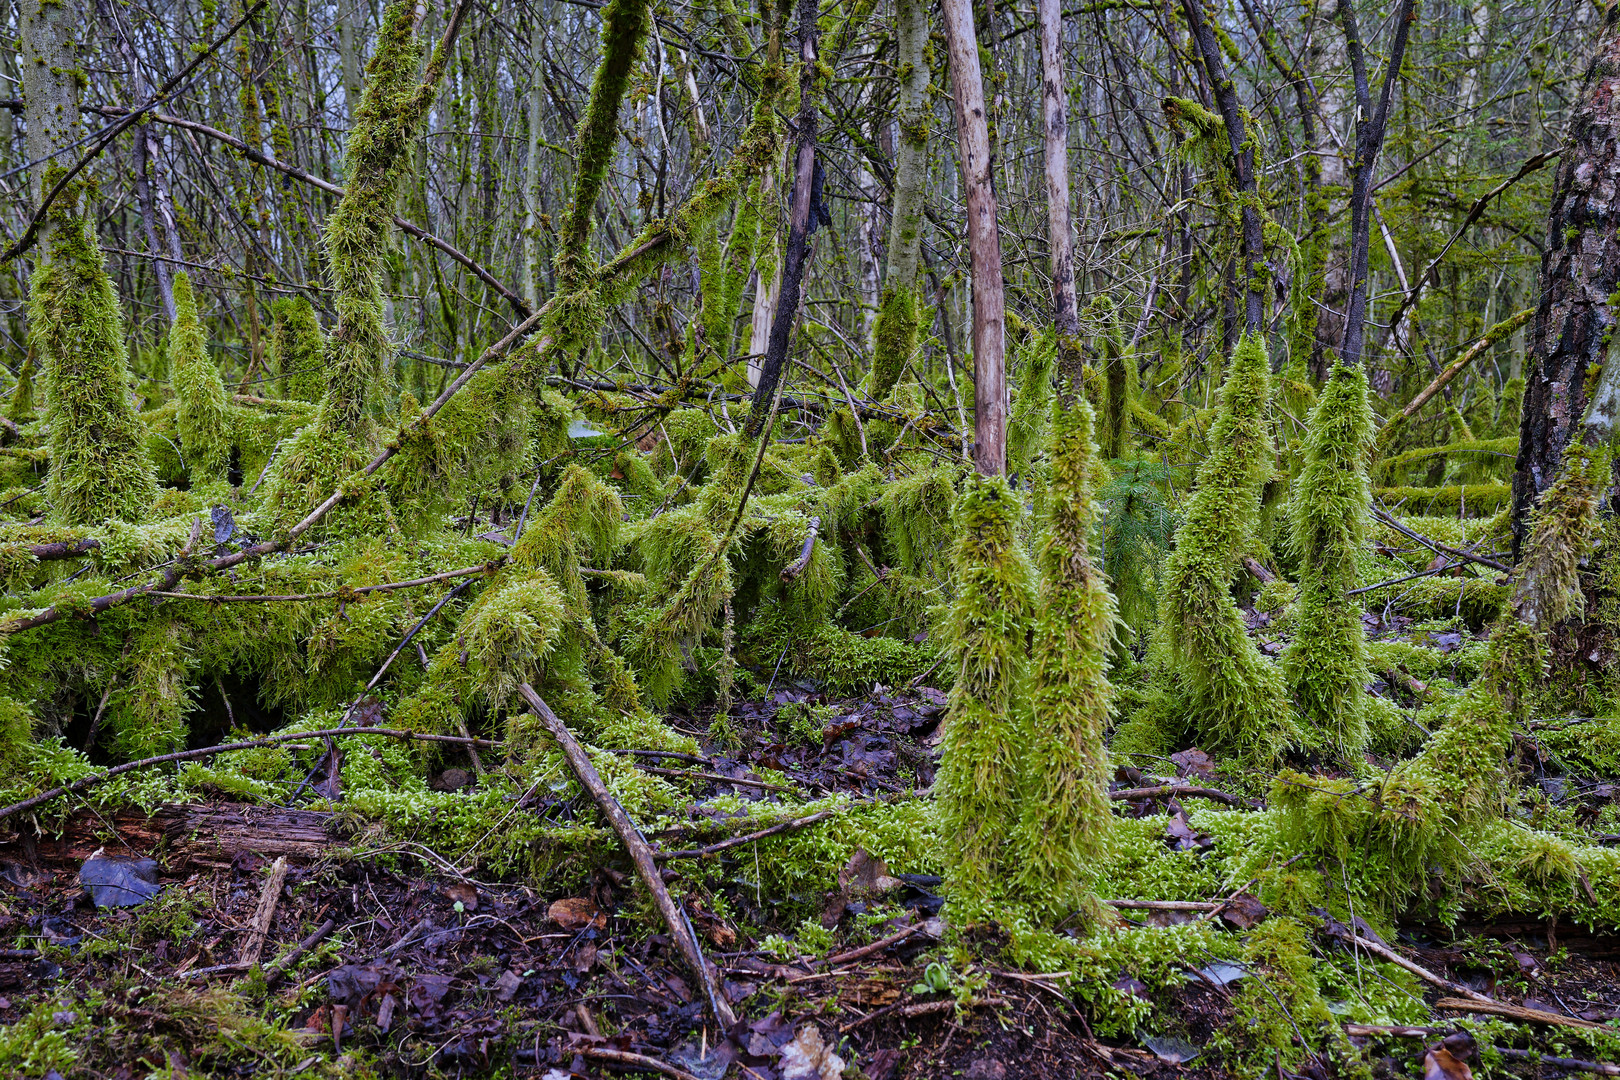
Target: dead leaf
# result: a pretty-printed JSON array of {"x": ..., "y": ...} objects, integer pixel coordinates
[
  {"x": 576, "y": 913},
  {"x": 462, "y": 893},
  {"x": 807, "y": 1057},
  {"x": 864, "y": 871},
  {"x": 1244, "y": 911},
  {"x": 506, "y": 987},
  {"x": 1193, "y": 762},
  {"x": 1183, "y": 837},
  {"x": 1442, "y": 1064}
]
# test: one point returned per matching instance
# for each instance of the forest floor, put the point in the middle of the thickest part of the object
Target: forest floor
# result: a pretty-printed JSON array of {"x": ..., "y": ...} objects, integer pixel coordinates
[{"x": 425, "y": 971}]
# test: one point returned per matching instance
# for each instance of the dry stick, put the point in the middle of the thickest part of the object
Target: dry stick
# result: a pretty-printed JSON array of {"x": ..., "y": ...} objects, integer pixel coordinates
[
  {"x": 739, "y": 841},
  {"x": 1384, "y": 951},
  {"x": 933, "y": 928},
  {"x": 254, "y": 945},
  {"x": 623, "y": 1058},
  {"x": 224, "y": 748},
  {"x": 798, "y": 566},
  {"x": 278, "y": 968},
  {"x": 1478, "y": 1004},
  {"x": 65, "y": 549},
  {"x": 924, "y": 1008},
  {"x": 1434, "y": 545},
  {"x": 715, "y": 777},
  {"x": 1165, "y": 905},
  {"x": 1184, "y": 790},
  {"x": 640, "y": 853}
]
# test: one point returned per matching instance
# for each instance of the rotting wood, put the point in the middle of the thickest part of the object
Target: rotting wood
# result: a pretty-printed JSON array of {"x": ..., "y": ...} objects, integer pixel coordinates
[
  {"x": 1185, "y": 791},
  {"x": 253, "y": 947},
  {"x": 278, "y": 968},
  {"x": 640, "y": 853}
]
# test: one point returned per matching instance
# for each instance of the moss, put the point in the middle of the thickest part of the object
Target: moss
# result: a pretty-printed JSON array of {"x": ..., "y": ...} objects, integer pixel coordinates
[
  {"x": 1034, "y": 361},
  {"x": 1063, "y": 828},
  {"x": 99, "y": 466},
  {"x": 1475, "y": 499},
  {"x": 203, "y": 416},
  {"x": 297, "y": 349},
  {"x": 894, "y": 337},
  {"x": 978, "y": 780},
  {"x": 1325, "y": 666},
  {"x": 1236, "y": 695},
  {"x": 1119, "y": 376},
  {"x": 1565, "y": 525},
  {"x": 1419, "y": 819}
]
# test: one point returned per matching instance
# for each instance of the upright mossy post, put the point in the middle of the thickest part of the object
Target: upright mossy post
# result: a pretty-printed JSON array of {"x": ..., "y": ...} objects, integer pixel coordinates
[
  {"x": 202, "y": 414},
  {"x": 987, "y": 633},
  {"x": 100, "y": 469},
  {"x": 1235, "y": 694},
  {"x": 1064, "y": 824},
  {"x": 1118, "y": 375},
  {"x": 624, "y": 32},
  {"x": 344, "y": 433},
  {"x": 1325, "y": 667},
  {"x": 297, "y": 349}
]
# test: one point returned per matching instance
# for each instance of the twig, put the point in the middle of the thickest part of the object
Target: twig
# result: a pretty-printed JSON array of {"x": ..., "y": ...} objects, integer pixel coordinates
[
  {"x": 924, "y": 1008},
  {"x": 933, "y": 928},
  {"x": 1434, "y": 545},
  {"x": 1166, "y": 905},
  {"x": 277, "y": 968},
  {"x": 716, "y": 777},
  {"x": 254, "y": 945},
  {"x": 738, "y": 841},
  {"x": 1477, "y": 1003},
  {"x": 1187, "y": 791},
  {"x": 1384, "y": 951},
  {"x": 623, "y": 1058},
  {"x": 224, "y": 748},
  {"x": 227, "y": 598},
  {"x": 640, "y": 853}
]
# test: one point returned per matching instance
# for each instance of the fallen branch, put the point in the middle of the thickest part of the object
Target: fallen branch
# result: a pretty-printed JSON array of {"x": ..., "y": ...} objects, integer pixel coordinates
[
  {"x": 1384, "y": 952},
  {"x": 1187, "y": 791},
  {"x": 1166, "y": 905},
  {"x": 625, "y": 1059},
  {"x": 345, "y": 593},
  {"x": 739, "y": 841},
  {"x": 224, "y": 748},
  {"x": 640, "y": 853},
  {"x": 798, "y": 566},
  {"x": 1434, "y": 545},
  {"x": 64, "y": 549},
  {"x": 1476, "y": 1003},
  {"x": 1468, "y": 356}
]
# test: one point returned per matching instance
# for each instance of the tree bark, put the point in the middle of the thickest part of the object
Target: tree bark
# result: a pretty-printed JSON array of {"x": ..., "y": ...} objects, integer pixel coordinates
[
  {"x": 984, "y": 242},
  {"x": 798, "y": 241},
  {"x": 1060, "y": 234},
  {"x": 1580, "y": 272},
  {"x": 50, "y": 93},
  {"x": 1370, "y": 124},
  {"x": 1225, "y": 94}
]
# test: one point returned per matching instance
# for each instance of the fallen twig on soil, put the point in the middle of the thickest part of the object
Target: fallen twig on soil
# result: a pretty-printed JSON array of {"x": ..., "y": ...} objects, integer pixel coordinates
[
  {"x": 923, "y": 1008},
  {"x": 277, "y": 968},
  {"x": 224, "y": 748},
  {"x": 640, "y": 853},
  {"x": 624, "y": 1059},
  {"x": 738, "y": 841},
  {"x": 1385, "y": 952},
  {"x": 1513, "y": 1053},
  {"x": 933, "y": 928},
  {"x": 692, "y": 774},
  {"x": 1479, "y": 1004}
]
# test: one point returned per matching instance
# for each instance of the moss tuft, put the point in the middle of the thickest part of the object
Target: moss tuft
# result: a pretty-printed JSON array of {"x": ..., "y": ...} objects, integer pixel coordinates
[{"x": 203, "y": 415}]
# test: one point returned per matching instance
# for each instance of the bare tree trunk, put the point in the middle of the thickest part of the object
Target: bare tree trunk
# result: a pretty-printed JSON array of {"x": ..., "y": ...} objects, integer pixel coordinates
[
  {"x": 350, "y": 23},
  {"x": 1254, "y": 253},
  {"x": 1370, "y": 124},
  {"x": 531, "y": 170},
  {"x": 984, "y": 242},
  {"x": 50, "y": 93},
  {"x": 1060, "y": 234},
  {"x": 1580, "y": 273}
]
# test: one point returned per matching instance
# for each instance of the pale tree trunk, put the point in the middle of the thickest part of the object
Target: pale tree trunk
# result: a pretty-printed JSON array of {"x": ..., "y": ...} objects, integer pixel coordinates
[
  {"x": 531, "y": 168},
  {"x": 50, "y": 94},
  {"x": 1580, "y": 273},
  {"x": 894, "y": 332},
  {"x": 1060, "y": 233},
  {"x": 768, "y": 277},
  {"x": 984, "y": 242},
  {"x": 351, "y": 20}
]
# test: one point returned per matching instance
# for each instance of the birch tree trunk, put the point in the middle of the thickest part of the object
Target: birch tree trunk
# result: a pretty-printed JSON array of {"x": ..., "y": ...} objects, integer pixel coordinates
[
  {"x": 984, "y": 242},
  {"x": 50, "y": 94}
]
